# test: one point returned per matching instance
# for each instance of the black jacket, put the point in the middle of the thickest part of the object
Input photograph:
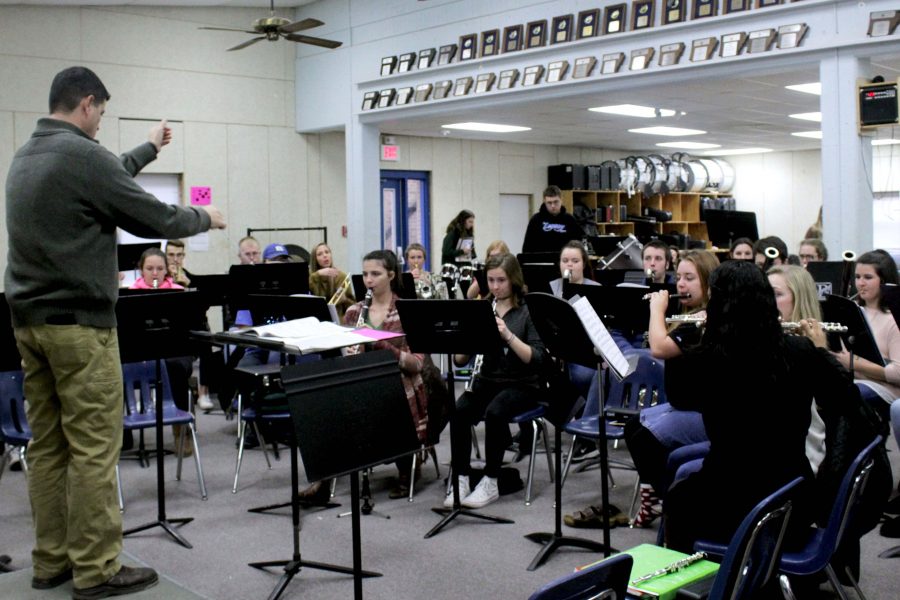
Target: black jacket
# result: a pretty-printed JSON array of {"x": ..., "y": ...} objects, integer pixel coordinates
[{"x": 549, "y": 233}]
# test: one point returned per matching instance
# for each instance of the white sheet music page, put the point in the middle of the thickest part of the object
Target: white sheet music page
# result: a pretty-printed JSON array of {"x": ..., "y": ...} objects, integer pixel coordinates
[
  {"x": 310, "y": 335},
  {"x": 600, "y": 337}
]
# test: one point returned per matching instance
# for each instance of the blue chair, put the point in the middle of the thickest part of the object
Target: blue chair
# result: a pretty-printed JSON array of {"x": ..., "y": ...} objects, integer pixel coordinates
[
  {"x": 607, "y": 579},
  {"x": 536, "y": 416},
  {"x": 822, "y": 542},
  {"x": 751, "y": 557},
  {"x": 643, "y": 388},
  {"x": 140, "y": 383},
  {"x": 14, "y": 430}
]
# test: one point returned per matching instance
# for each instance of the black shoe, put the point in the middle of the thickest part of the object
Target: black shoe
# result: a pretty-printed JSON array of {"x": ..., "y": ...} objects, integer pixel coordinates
[
  {"x": 250, "y": 441},
  {"x": 317, "y": 494},
  {"x": 127, "y": 581},
  {"x": 584, "y": 450},
  {"x": 891, "y": 528},
  {"x": 39, "y": 583},
  {"x": 893, "y": 507}
]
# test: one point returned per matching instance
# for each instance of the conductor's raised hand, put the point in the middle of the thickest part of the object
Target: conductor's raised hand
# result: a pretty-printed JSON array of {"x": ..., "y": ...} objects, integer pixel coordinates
[
  {"x": 217, "y": 220},
  {"x": 160, "y": 134}
]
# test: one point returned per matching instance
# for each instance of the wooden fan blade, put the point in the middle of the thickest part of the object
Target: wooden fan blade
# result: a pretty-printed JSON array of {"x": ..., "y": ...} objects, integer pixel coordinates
[
  {"x": 226, "y": 29},
  {"x": 300, "y": 25},
  {"x": 305, "y": 39},
  {"x": 249, "y": 42}
]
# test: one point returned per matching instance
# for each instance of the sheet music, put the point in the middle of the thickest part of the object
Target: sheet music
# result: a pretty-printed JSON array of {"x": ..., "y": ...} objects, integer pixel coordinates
[
  {"x": 297, "y": 328},
  {"x": 600, "y": 337},
  {"x": 311, "y": 335}
]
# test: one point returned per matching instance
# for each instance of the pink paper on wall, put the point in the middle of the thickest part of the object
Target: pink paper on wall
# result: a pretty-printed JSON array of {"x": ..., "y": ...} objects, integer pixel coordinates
[{"x": 200, "y": 195}]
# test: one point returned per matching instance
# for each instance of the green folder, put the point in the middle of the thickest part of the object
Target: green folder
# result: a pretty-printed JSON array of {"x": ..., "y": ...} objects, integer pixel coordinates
[{"x": 648, "y": 558}]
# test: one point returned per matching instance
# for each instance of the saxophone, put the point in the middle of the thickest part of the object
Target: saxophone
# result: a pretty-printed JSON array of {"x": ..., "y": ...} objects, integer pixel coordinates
[{"x": 479, "y": 358}]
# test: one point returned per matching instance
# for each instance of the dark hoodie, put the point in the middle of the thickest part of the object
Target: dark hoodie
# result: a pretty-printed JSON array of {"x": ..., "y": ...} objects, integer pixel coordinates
[{"x": 549, "y": 233}]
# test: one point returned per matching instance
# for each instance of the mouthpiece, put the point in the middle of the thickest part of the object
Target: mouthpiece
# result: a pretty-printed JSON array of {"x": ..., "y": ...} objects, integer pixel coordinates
[
  {"x": 771, "y": 252},
  {"x": 155, "y": 284},
  {"x": 567, "y": 274}
]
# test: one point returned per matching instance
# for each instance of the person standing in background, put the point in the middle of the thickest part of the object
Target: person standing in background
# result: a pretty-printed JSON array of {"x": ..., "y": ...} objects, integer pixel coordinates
[
  {"x": 551, "y": 227},
  {"x": 459, "y": 242},
  {"x": 65, "y": 196}
]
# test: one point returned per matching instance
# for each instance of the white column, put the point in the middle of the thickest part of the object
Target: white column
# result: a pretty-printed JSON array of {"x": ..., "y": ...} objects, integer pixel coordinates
[
  {"x": 846, "y": 158},
  {"x": 363, "y": 192}
]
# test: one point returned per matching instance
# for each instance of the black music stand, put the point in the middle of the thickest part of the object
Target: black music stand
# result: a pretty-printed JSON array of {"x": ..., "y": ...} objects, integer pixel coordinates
[
  {"x": 828, "y": 276},
  {"x": 565, "y": 338},
  {"x": 858, "y": 338},
  {"x": 272, "y": 278},
  {"x": 155, "y": 326},
  {"x": 451, "y": 327},
  {"x": 365, "y": 393},
  {"x": 725, "y": 226}
]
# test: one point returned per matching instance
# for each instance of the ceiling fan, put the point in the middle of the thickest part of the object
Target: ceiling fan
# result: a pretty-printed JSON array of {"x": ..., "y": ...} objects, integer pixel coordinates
[{"x": 273, "y": 27}]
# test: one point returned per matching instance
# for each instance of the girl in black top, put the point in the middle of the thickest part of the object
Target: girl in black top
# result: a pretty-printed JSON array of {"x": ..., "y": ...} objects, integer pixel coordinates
[
  {"x": 462, "y": 226},
  {"x": 509, "y": 383}
]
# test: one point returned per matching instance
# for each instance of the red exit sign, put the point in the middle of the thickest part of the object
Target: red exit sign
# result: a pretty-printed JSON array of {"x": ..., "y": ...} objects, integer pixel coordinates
[{"x": 390, "y": 152}]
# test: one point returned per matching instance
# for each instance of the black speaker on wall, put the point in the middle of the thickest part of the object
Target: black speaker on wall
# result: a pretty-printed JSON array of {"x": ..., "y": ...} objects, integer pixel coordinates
[{"x": 566, "y": 176}]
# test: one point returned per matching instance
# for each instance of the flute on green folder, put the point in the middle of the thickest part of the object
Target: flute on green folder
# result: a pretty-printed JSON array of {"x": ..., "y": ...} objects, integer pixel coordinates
[{"x": 671, "y": 568}]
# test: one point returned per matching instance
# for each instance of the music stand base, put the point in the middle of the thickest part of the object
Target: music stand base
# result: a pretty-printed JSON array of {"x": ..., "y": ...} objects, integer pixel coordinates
[
  {"x": 553, "y": 542},
  {"x": 452, "y": 513},
  {"x": 292, "y": 567},
  {"x": 890, "y": 553},
  {"x": 166, "y": 524},
  {"x": 307, "y": 505}
]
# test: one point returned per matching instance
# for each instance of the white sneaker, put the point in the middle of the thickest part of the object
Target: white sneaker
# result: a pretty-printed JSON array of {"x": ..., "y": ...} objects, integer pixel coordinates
[
  {"x": 204, "y": 403},
  {"x": 464, "y": 490},
  {"x": 485, "y": 492}
]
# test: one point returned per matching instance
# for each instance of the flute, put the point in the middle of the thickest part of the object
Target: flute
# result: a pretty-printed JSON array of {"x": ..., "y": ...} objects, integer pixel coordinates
[
  {"x": 787, "y": 326},
  {"x": 673, "y": 296},
  {"x": 671, "y": 568}
]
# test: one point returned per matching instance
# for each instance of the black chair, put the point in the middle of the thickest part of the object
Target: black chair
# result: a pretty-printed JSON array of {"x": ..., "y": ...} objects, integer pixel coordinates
[
  {"x": 751, "y": 557},
  {"x": 605, "y": 579}
]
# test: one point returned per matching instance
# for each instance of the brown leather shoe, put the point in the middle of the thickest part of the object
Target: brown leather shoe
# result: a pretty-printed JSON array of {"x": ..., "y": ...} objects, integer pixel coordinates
[
  {"x": 127, "y": 581},
  {"x": 41, "y": 583},
  {"x": 318, "y": 494}
]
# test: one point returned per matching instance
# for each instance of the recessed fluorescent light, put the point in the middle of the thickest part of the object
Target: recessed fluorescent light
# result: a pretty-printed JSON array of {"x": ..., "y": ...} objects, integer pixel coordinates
[
  {"x": 670, "y": 131},
  {"x": 809, "y": 134},
  {"x": 688, "y": 145},
  {"x": 807, "y": 88},
  {"x": 884, "y": 142},
  {"x": 634, "y": 110},
  {"x": 489, "y": 127},
  {"x": 810, "y": 116},
  {"x": 736, "y": 151}
]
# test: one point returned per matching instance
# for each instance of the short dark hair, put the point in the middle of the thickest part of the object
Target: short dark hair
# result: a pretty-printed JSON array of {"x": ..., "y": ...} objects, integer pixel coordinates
[
  {"x": 552, "y": 191},
  {"x": 176, "y": 243},
  {"x": 771, "y": 241},
  {"x": 657, "y": 244},
  {"x": 739, "y": 242},
  {"x": 71, "y": 85}
]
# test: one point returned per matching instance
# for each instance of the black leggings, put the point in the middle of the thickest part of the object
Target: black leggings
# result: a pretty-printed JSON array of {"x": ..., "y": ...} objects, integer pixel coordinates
[{"x": 496, "y": 404}]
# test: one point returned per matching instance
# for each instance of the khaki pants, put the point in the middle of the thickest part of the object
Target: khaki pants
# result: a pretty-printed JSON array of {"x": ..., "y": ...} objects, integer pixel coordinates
[{"x": 73, "y": 385}]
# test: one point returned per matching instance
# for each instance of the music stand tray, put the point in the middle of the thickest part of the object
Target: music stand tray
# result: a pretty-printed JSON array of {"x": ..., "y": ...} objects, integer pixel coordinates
[
  {"x": 858, "y": 338},
  {"x": 155, "y": 326},
  {"x": 451, "y": 327}
]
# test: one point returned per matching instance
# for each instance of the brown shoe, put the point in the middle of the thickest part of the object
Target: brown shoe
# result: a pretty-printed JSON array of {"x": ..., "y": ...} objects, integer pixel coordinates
[
  {"x": 318, "y": 494},
  {"x": 127, "y": 581}
]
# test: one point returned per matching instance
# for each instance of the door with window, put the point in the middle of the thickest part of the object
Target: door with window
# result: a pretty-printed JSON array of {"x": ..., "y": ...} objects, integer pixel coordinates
[{"x": 405, "y": 210}]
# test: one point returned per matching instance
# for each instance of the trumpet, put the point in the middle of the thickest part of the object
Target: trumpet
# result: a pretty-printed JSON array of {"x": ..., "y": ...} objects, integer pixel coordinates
[
  {"x": 340, "y": 291},
  {"x": 479, "y": 358},
  {"x": 787, "y": 326}
]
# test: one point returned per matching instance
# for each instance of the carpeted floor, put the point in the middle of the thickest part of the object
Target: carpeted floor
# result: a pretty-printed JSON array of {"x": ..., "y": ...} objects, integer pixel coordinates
[{"x": 469, "y": 559}]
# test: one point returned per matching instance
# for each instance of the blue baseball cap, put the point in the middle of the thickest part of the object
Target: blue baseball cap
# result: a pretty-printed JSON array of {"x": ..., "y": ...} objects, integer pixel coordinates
[{"x": 274, "y": 251}]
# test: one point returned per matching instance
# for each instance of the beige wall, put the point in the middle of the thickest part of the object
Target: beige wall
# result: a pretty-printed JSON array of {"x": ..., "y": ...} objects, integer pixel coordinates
[{"x": 234, "y": 112}]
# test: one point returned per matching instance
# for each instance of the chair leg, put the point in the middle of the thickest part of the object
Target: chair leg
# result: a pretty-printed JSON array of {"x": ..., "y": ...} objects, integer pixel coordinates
[
  {"x": 437, "y": 467},
  {"x": 412, "y": 476},
  {"x": 23, "y": 458},
  {"x": 547, "y": 449},
  {"x": 333, "y": 487},
  {"x": 565, "y": 472},
  {"x": 203, "y": 494},
  {"x": 475, "y": 443},
  {"x": 835, "y": 583},
  {"x": 242, "y": 433},
  {"x": 119, "y": 492},
  {"x": 534, "y": 436},
  {"x": 786, "y": 590},
  {"x": 4, "y": 459},
  {"x": 179, "y": 446},
  {"x": 855, "y": 583},
  {"x": 262, "y": 444},
  {"x": 635, "y": 496}
]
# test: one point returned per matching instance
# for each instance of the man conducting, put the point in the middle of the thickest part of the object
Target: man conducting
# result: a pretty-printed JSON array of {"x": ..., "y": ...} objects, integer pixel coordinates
[{"x": 65, "y": 196}]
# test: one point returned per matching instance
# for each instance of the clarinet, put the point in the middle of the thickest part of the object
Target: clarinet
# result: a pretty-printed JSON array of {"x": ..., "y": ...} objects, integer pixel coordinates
[
  {"x": 479, "y": 358},
  {"x": 364, "y": 311}
]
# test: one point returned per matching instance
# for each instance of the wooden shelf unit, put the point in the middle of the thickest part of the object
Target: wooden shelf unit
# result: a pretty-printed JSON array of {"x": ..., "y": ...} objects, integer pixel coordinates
[{"x": 684, "y": 206}]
